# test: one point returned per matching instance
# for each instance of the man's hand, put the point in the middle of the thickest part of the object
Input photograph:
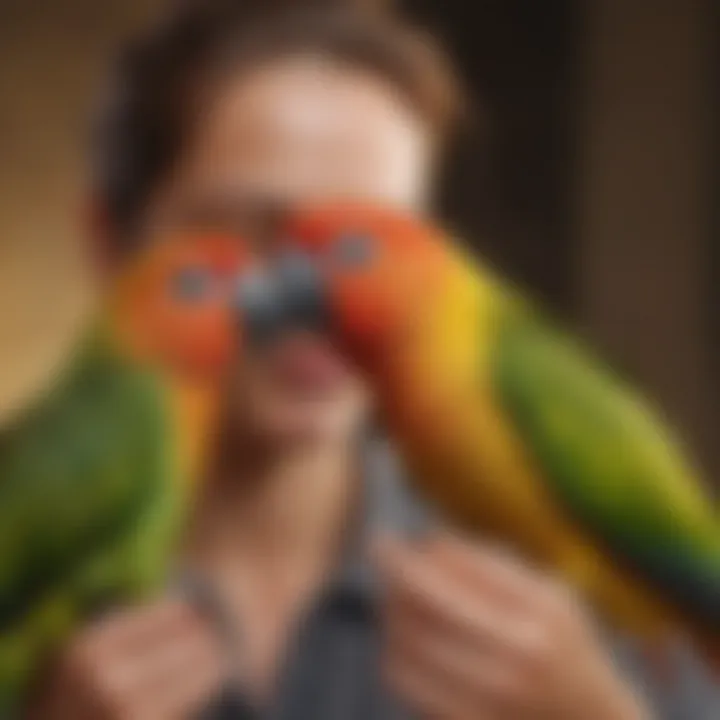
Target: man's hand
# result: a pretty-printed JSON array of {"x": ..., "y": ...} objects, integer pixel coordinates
[
  {"x": 160, "y": 662},
  {"x": 473, "y": 634}
]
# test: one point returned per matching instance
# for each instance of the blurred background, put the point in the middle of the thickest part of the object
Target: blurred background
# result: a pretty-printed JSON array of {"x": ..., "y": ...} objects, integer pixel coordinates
[{"x": 596, "y": 183}]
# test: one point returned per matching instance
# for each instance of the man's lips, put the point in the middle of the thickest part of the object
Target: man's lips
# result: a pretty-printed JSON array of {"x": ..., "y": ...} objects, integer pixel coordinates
[{"x": 306, "y": 363}]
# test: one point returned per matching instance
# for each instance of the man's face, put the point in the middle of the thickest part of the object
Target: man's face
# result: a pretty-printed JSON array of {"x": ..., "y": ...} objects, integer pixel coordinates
[{"x": 292, "y": 131}]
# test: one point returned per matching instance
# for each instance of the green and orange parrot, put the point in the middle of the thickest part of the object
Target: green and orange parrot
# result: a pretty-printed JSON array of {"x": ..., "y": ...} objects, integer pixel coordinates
[
  {"x": 506, "y": 422},
  {"x": 95, "y": 477}
]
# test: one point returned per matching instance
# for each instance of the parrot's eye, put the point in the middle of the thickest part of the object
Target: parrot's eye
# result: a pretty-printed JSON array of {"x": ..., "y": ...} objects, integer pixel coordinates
[
  {"x": 192, "y": 284},
  {"x": 354, "y": 250}
]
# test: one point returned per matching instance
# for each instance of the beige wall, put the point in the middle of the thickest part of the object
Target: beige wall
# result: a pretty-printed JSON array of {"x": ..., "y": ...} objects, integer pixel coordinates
[{"x": 52, "y": 53}]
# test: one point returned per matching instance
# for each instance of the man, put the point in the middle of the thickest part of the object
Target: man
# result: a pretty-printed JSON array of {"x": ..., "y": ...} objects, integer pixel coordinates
[{"x": 283, "y": 611}]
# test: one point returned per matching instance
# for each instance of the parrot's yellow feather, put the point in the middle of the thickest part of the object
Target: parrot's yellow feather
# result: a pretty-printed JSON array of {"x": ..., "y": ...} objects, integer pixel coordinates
[{"x": 517, "y": 505}]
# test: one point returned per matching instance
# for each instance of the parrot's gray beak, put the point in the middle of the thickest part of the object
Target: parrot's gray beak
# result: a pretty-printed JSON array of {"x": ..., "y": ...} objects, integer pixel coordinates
[
  {"x": 260, "y": 307},
  {"x": 288, "y": 296}
]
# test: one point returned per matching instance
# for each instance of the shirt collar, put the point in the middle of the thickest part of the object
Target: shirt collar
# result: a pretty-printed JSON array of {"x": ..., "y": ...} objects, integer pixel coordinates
[{"x": 387, "y": 506}]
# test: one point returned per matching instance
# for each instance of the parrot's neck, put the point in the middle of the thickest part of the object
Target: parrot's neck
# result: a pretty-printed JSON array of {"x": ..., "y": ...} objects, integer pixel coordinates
[
  {"x": 196, "y": 408},
  {"x": 440, "y": 350},
  {"x": 113, "y": 324},
  {"x": 195, "y": 400}
]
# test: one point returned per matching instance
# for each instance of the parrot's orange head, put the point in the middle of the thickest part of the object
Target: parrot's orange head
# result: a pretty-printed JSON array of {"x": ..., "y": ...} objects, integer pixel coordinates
[
  {"x": 173, "y": 306},
  {"x": 367, "y": 272}
]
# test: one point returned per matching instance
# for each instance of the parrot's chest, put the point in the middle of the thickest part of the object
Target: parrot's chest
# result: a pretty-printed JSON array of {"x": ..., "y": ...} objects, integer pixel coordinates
[
  {"x": 434, "y": 373},
  {"x": 440, "y": 408},
  {"x": 444, "y": 414}
]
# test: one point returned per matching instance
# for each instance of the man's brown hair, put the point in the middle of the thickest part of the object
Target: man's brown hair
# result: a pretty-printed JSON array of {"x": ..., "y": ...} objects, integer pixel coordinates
[{"x": 142, "y": 128}]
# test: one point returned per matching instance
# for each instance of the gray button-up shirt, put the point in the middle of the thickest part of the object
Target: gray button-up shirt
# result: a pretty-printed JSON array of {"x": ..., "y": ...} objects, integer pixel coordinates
[{"x": 332, "y": 669}]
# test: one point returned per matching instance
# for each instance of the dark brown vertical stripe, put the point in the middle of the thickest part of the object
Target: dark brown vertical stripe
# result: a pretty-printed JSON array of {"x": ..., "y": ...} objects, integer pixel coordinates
[
  {"x": 508, "y": 189},
  {"x": 644, "y": 210}
]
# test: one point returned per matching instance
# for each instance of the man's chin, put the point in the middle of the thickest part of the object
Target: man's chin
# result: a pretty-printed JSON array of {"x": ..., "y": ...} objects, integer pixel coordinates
[{"x": 310, "y": 428}]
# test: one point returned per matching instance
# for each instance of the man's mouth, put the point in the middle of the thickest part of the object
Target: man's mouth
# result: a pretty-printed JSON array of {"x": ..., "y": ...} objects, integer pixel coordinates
[{"x": 305, "y": 364}]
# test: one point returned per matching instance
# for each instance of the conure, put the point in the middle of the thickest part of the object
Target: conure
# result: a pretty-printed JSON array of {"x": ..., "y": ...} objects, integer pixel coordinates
[
  {"x": 96, "y": 475},
  {"x": 510, "y": 425}
]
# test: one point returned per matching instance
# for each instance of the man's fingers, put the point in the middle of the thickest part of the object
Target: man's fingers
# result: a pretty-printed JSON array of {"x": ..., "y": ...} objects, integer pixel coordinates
[
  {"x": 472, "y": 630},
  {"x": 181, "y": 686},
  {"x": 152, "y": 657},
  {"x": 135, "y": 628},
  {"x": 429, "y": 694},
  {"x": 498, "y": 573},
  {"x": 157, "y": 664},
  {"x": 489, "y": 568},
  {"x": 422, "y": 595},
  {"x": 475, "y": 678}
]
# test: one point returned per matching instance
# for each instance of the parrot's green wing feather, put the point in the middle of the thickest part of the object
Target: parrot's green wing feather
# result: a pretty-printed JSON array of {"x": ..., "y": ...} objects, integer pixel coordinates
[
  {"x": 611, "y": 462},
  {"x": 80, "y": 477}
]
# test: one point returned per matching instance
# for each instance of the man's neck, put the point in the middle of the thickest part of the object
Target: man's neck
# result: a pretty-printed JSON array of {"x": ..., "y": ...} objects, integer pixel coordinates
[
  {"x": 268, "y": 533},
  {"x": 278, "y": 512}
]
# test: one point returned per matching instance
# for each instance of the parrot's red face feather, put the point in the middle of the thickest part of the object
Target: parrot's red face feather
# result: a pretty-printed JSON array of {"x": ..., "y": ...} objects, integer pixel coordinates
[
  {"x": 173, "y": 305},
  {"x": 378, "y": 267}
]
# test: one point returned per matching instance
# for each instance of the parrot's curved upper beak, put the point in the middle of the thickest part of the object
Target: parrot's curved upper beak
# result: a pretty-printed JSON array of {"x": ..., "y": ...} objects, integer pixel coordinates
[{"x": 288, "y": 296}]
